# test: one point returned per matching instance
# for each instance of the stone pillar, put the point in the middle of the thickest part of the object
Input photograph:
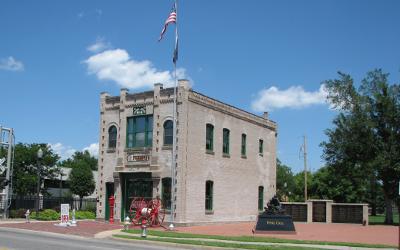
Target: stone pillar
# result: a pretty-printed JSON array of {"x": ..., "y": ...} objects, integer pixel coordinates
[
  {"x": 118, "y": 197},
  {"x": 329, "y": 211},
  {"x": 365, "y": 214},
  {"x": 100, "y": 185},
  {"x": 309, "y": 211}
]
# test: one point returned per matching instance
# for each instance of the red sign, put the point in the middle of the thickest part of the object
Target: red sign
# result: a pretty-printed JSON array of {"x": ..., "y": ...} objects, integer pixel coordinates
[{"x": 64, "y": 218}]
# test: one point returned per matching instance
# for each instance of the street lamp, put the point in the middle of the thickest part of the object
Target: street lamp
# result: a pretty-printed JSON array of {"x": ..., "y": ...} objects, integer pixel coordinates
[{"x": 39, "y": 157}]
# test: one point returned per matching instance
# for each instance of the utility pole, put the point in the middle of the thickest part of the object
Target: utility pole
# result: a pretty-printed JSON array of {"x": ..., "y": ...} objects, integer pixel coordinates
[
  {"x": 9, "y": 134},
  {"x": 305, "y": 168}
]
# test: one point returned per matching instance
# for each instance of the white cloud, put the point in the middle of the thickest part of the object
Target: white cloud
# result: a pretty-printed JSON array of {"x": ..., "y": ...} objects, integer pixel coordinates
[
  {"x": 116, "y": 65},
  {"x": 66, "y": 152},
  {"x": 99, "y": 45},
  {"x": 294, "y": 97},
  {"x": 93, "y": 149},
  {"x": 11, "y": 64}
]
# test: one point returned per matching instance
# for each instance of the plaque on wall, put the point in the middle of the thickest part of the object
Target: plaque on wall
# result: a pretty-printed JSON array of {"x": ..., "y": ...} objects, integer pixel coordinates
[
  {"x": 132, "y": 158},
  {"x": 139, "y": 110}
]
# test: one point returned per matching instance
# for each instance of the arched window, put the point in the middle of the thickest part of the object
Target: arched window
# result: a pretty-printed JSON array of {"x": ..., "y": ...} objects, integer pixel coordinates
[
  {"x": 168, "y": 132},
  {"x": 209, "y": 195},
  {"x": 112, "y": 137}
]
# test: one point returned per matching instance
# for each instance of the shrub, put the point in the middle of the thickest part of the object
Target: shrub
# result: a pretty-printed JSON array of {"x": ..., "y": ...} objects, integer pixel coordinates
[
  {"x": 47, "y": 214},
  {"x": 79, "y": 215},
  {"x": 19, "y": 213}
]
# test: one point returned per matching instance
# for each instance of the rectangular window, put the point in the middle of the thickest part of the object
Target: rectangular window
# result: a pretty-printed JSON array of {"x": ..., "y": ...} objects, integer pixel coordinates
[
  {"x": 209, "y": 137},
  {"x": 139, "y": 131},
  {"x": 225, "y": 141},
  {"x": 260, "y": 198},
  {"x": 243, "y": 151},
  {"x": 209, "y": 195},
  {"x": 260, "y": 147},
  {"x": 166, "y": 193}
]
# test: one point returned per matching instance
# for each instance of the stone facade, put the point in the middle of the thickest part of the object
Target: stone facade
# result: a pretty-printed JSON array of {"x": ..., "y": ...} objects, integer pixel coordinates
[{"x": 236, "y": 178}]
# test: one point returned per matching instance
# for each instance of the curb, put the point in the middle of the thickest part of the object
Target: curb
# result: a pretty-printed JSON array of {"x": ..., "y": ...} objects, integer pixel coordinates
[
  {"x": 66, "y": 236},
  {"x": 260, "y": 244},
  {"x": 106, "y": 234},
  {"x": 170, "y": 244}
]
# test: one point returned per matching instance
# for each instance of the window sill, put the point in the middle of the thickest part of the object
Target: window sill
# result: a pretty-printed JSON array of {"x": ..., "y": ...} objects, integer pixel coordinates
[
  {"x": 209, "y": 212},
  {"x": 138, "y": 149},
  {"x": 110, "y": 150},
  {"x": 226, "y": 155},
  {"x": 262, "y": 155},
  {"x": 166, "y": 147},
  {"x": 244, "y": 157},
  {"x": 210, "y": 152}
]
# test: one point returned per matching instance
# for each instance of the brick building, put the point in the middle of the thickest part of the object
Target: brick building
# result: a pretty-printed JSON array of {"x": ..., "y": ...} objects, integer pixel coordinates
[{"x": 225, "y": 157}]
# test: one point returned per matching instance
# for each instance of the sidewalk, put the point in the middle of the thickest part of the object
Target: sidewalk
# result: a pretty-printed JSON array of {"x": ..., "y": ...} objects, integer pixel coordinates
[
  {"x": 387, "y": 235},
  {"x": 85, "y": 228},
  {"x": 149, "y": 238},
  {"x": 332, "y": 232}
]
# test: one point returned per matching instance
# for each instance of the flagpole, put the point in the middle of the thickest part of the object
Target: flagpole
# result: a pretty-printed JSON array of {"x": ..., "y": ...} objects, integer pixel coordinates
[{"x": 173, "y": 164}]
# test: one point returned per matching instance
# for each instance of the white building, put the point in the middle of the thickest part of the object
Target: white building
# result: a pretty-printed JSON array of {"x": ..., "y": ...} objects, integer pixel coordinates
[{"x": 226, "y": 157}]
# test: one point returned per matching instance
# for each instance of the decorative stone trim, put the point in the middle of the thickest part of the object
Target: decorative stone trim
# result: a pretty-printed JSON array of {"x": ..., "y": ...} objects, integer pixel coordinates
[
  {"x": 230, "y": 110},
  {"x": 112, "y": 108},
  {"x": 139, "y": 104}
]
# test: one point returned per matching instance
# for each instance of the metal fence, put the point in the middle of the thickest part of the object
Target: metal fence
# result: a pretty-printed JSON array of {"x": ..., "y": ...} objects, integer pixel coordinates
[{"x": 29, "y": 202}]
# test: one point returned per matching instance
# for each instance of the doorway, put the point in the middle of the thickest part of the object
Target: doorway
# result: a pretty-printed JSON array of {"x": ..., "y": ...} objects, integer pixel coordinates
[
  {"x": 135, "y": 185},
  {"x": 109, "y": 192}
]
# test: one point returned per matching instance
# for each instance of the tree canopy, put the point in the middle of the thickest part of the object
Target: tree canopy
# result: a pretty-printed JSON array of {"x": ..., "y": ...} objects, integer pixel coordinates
[
  {"x": 26, "y": 165},
  {"x": 79, "y": 156},
  {"x": 363, "y": 147}
]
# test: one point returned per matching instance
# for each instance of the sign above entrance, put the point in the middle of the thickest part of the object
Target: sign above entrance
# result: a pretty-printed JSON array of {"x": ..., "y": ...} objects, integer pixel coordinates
[{"x": 138, "y": 157}]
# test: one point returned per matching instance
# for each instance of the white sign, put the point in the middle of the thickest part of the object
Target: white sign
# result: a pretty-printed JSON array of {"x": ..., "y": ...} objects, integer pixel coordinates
[
  {"x": 138, "y": 157},
  {"x": 64, "y": 213}
]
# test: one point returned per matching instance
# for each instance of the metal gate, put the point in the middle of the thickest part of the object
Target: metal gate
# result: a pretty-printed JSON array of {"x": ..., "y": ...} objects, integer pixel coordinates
[{"x": 319, "y": 211}]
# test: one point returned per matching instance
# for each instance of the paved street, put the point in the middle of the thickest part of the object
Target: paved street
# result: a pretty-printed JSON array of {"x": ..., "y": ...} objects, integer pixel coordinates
[{"x": 21, "y": 240}]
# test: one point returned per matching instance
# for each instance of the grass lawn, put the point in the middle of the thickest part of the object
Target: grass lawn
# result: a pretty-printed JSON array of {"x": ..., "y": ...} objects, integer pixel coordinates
[
  {"x": 216, "y": 244},
  {"x": 380, "y": 219},
  {"x": 167, "y": 235}
]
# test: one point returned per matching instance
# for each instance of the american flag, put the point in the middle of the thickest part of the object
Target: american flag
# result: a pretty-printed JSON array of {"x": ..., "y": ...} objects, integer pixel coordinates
[{"x": 171, "y": 19}]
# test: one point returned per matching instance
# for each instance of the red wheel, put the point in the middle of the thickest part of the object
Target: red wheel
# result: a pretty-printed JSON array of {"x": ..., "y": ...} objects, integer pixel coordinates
[
  {"x": 136, "y": 207},
  {"x": 157, "y": 212}
]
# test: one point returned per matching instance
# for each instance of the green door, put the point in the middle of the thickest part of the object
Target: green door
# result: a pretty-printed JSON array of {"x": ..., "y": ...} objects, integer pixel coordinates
[
  {"x": 136, "y": 185},
  {"x": 109, "y": 192}
]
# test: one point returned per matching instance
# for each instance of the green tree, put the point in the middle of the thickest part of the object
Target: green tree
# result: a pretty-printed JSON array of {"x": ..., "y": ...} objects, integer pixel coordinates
[
  {"x": 24, "y": 178},
  {"x": 80, "y": 156},
  {"x": 364, "y": 145},
  {"x": 298, "y": 192},
  {"x": 284, "y": 175},
  {"x": 81, "y": 180}
]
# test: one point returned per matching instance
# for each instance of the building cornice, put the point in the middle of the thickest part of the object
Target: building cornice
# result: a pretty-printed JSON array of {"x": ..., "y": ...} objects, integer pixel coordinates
[{"x": 211, "y": 103}]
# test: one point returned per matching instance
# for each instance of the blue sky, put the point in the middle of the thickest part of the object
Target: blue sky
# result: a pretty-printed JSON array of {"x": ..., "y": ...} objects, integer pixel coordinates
[{"x": 57, "y": 56}]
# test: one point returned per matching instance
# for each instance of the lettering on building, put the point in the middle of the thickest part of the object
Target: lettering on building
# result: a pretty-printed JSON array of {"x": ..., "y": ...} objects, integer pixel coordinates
[{"x": 138, "y": 157}]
